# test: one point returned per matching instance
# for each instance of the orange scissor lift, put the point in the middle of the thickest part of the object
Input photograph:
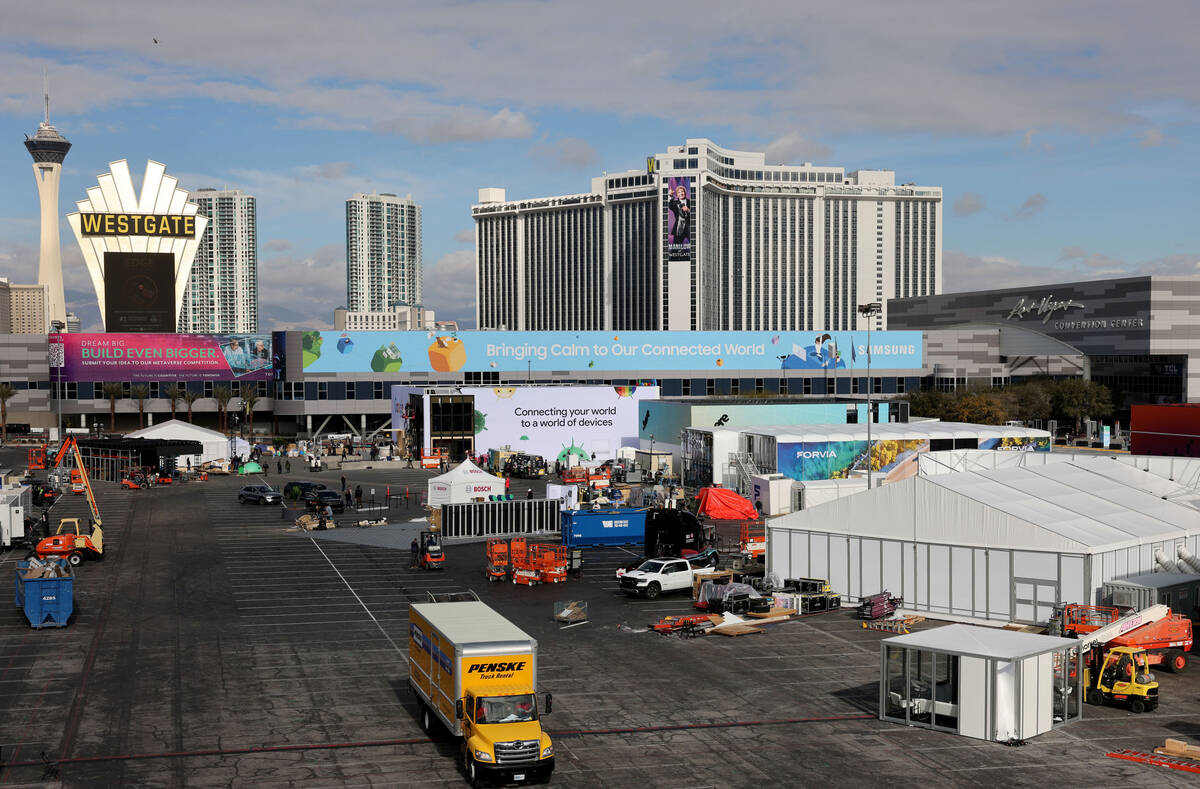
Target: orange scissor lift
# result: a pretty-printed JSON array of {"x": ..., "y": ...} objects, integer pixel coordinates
[
  {"x": 497, "y": 559},
  {"x": 524, "y": 568},
  {"x": 551, "y": 562}
]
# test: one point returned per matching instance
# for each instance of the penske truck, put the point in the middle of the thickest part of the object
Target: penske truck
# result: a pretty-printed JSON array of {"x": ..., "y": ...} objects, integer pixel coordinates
[{"x": 477, "y": 673}]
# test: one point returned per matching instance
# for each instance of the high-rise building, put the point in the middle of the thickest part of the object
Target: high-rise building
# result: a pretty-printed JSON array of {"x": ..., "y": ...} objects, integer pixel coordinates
[
  {"x": 48, "y": 149},
  {"x": 222, "y": 291},
  {"x": 401, "y": 317},
  {"x": 26, "y": 309},
  {"x": 707, "y": 239},
  {"x": 383, "y": 252},
  {"x": 74, "y": 325}
]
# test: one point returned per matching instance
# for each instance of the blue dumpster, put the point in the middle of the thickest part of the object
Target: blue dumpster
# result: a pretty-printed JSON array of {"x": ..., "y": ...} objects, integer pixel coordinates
[
  {"x": 48, "y": 602},
  {"x": 621, "y": 526}
]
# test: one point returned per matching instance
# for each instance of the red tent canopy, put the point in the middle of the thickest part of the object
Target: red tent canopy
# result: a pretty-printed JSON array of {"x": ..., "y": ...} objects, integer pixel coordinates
[{"x": 725, "y": 505}]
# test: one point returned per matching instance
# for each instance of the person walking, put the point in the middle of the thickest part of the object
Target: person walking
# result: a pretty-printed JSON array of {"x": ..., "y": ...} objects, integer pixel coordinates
[
  {"x": 279, "y": 466},
  {"x": 358, "y": 496},
  {"x": 529, "y": 494},
  {"x": 349, "y": 497},
  {"x": 415, "y": 550},
  {"x": 289, "y": 466},
  {"x": 343, "y": 482}
]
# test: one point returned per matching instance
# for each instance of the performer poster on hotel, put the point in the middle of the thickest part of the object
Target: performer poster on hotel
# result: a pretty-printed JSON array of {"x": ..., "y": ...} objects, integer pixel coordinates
[{"x": 679, "y": 219}]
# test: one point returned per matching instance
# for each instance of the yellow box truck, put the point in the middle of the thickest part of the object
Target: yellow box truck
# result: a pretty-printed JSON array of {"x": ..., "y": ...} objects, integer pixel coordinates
[{"x": 477, "y": 672}]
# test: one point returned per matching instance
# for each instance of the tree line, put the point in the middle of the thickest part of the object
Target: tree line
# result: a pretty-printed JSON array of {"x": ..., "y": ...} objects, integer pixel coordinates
[{"x": 1070, "y": 401}]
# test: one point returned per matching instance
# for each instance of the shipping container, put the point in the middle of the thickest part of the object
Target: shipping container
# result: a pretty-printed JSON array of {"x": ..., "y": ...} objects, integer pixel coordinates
[
  {"x": 620, "y": 526},
  {"x": 1138, "y": 592}
]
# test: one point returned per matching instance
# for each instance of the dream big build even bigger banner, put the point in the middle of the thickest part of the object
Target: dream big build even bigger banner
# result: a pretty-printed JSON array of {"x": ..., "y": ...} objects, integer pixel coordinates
[
  {"x": 161, "y": 357},
  {"x": 679, "y": 219}
]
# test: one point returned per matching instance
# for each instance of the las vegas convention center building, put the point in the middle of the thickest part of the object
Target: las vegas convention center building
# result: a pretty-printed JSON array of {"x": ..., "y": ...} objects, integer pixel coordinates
[{"x": 1137, "y": 335}]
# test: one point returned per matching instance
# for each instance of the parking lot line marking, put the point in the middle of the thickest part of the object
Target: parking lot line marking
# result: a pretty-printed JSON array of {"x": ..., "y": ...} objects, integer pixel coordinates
[{"x": 356, "y": 597}]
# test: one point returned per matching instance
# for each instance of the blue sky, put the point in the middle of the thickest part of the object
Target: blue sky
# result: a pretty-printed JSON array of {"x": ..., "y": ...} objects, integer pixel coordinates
[{"x": 1062, "y": 135}]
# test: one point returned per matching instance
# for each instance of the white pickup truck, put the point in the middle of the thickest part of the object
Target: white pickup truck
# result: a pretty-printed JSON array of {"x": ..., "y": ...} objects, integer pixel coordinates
[{"x": 655, "y": 576}]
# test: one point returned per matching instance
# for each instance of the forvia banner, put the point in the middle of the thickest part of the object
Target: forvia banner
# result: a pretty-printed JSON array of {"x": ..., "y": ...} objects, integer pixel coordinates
[
  {"x": 642, "y": 351},
  {"x": 161, "y": 357}
]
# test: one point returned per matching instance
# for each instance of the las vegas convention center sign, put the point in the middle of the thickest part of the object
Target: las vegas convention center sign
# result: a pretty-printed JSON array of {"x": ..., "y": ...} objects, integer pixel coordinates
[{"x": 643, "y": 351}]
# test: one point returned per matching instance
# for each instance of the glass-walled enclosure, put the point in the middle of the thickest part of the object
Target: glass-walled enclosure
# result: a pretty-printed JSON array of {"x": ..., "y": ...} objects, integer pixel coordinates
[{"x": 1013, "y": 688}]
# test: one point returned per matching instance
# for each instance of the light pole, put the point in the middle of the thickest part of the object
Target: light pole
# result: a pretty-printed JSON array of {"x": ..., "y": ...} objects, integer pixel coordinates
[{"x": 869, "y": 311}]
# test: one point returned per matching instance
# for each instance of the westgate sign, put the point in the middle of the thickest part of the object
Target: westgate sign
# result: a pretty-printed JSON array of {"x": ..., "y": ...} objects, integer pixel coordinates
[
  {"x": 161, "y": 225},
  {"x": 1043, "y": 308}
]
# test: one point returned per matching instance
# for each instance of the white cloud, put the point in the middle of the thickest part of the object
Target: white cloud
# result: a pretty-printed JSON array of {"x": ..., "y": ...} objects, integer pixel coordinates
[
  {"x": 568, "y": 152},
  {"x": 965, "y": 272},
  {"x": 301, "y": 291},
  {"x": 968, "y": 203},
  {"x": 471, "y": 71},
  {"x": 795, "y": 149},
  {"x": 466, "y": 236},
  {"x": 449, "y": 286}
]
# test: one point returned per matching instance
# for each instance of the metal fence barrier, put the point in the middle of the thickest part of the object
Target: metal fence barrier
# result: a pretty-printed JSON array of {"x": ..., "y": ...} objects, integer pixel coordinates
[{"x": 500, "y": 518}]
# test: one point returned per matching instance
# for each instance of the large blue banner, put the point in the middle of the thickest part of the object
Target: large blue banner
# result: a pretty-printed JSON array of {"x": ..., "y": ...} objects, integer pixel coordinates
[{"x": 482, "y": 351}]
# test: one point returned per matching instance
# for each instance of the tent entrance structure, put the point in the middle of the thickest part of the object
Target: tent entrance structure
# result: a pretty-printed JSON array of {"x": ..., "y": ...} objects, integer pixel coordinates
[
  {"x": 109, "y": 459},
  {"x": 981, "y": 682},
  {"x": 464, "y": 483}
]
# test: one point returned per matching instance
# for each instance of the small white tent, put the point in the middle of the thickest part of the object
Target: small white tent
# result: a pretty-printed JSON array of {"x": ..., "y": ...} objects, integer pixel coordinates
[
  {"x": 216, "y": 445},
  {"x": 465, "y": 482}
]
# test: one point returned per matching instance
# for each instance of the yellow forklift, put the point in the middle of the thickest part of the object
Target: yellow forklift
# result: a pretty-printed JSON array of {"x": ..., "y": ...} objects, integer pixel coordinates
[{"x": 1120, "y": 675}]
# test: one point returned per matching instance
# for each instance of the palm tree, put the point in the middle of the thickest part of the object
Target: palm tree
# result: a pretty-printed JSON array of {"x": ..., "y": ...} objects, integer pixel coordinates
[
  {"x": 174, "y": 393},
  {"x": 113, "y": 391},
  {"x": 222, "y": 395},
  {"x": 190, "y": 397},
  {"x": 140, "y": 392},
  {"x": 249, "y": 395},
  {"x": 7, "y": 392}
]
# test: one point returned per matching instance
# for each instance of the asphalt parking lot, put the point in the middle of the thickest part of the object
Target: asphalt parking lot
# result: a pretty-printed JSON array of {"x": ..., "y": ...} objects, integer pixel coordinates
[{"x": 212, "y": 648}]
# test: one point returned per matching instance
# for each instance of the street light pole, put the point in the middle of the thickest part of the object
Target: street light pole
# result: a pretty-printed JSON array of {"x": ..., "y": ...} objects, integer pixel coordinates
[{"x": 869, "y": 311}]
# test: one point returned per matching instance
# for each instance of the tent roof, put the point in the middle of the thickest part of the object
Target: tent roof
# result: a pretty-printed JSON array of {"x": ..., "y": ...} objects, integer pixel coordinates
[
  {"x": 177, "y": 428},
  {"x": 466, "y": 471},
  {"x": 886, "y": 431},
  {"x": 985, "y": 642},
  {"x": 1081, "y": 505}
]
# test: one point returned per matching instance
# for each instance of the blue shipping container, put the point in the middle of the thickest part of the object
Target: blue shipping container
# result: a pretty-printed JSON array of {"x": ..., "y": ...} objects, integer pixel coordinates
[
  {"x": 621, "y": 526},
  {"x": 48, "y": 602}
]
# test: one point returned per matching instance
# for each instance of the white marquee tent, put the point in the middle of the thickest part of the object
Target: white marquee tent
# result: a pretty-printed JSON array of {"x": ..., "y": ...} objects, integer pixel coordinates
[
  {"x": 990, "y": 535},
  {"x": 465, "y": 482},
  {"x": 216, "y": 445}
]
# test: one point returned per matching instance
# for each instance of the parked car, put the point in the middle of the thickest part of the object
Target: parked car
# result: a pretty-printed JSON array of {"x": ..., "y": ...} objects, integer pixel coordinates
[
  {"x": 296, "y": 488},
  {"x": 259, "y": 494},
  {"x": 315, "y": 500}
]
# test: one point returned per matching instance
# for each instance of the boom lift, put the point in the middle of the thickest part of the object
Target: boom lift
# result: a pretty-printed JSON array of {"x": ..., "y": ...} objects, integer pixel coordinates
[{"x": 69, "y": 541}]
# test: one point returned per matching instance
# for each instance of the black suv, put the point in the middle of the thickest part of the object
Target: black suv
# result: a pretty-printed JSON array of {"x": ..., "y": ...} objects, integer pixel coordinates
[
  {"x": 296, "y": 489},
  {"x": 315, "y": 501},
  {"x": 259, "y": 494}
]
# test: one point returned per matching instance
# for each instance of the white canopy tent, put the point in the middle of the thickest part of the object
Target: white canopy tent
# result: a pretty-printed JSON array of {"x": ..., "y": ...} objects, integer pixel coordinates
[
  {"x": 216, "y": 445},
  {"x": 1005, "y": 543},
  {"x": 465, "y": 482}
]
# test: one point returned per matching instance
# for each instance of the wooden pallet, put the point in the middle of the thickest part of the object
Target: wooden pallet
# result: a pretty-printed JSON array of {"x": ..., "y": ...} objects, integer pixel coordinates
[
  {"x": 1179, "y": 749},
  {"x": 772, "y": 612},
  {"x": 899, "y": 626},
  {"x": 1175, "y": 763}
]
